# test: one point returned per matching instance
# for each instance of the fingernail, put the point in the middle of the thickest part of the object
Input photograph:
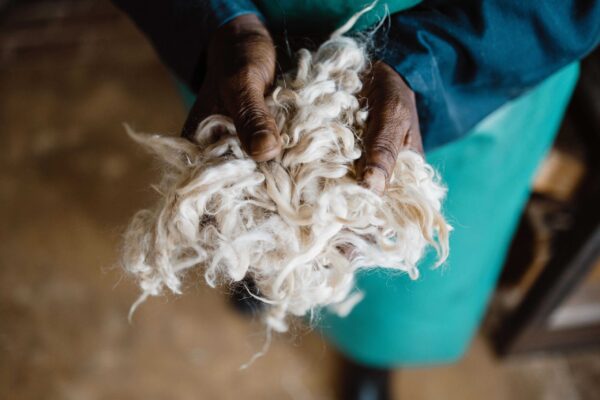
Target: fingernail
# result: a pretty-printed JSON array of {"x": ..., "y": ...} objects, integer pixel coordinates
[
  {"x": 374, "y": 179},
  {"x": 264, "y": 146}
]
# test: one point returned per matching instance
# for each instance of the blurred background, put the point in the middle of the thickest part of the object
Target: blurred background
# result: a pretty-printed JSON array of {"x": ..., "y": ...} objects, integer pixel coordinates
[{"x": 71, "y": 72}]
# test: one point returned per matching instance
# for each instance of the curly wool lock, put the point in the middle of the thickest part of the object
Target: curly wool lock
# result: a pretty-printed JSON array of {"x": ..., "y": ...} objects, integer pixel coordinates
[{"x": 300, "y": 225}]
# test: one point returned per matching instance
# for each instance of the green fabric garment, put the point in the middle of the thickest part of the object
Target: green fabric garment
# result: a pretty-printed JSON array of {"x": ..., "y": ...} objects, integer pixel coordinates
[{"x": 488, "y": 173}]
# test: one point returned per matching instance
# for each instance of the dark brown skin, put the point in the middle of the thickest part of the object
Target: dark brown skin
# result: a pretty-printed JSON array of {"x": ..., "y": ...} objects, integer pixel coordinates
[
  {"x": 241, "y": 69},
  {"x": 393, "y": 125}
]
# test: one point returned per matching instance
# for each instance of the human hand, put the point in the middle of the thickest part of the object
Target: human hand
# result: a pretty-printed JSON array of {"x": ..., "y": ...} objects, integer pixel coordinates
[
  {"x": 392, "y": 126},
  {"x": 240, "y": 69}
]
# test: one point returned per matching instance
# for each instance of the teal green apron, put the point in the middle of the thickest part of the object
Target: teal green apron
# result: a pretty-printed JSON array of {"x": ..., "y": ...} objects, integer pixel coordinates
[{"x": 488, "y": 173}]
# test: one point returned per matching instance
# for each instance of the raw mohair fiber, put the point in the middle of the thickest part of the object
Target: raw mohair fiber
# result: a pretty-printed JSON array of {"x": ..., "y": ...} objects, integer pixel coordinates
[{"x": 301, "y": 225}]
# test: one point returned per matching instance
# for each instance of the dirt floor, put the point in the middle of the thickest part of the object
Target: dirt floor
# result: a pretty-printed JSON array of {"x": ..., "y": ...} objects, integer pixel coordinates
[{"x": 71, "y": 72}]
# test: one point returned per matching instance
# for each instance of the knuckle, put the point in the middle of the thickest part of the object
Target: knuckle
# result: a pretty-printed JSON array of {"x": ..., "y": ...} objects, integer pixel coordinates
[
  {"x": 253, "y": 118},
  {"x": 248, "y": 77},
  {"x": 383, "y": 155},
  {"x": 390, "y": 128},
  {"x": 253, "y": 75},
  {"x": 394, "y": 104},
  {"x": 245, "y": 36},
  {"x": 380, "y": 67},
  {"x": 256, "y": 35}
]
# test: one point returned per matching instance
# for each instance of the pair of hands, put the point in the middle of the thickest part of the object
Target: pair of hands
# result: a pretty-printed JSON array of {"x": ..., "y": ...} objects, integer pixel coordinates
[{"x": 240, "y": 70}]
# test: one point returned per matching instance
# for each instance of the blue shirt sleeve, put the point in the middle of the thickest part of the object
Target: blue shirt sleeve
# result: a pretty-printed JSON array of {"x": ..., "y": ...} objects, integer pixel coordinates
[
  {"x": 180, "y": 29},
  {"x": 464, "y": 59}
]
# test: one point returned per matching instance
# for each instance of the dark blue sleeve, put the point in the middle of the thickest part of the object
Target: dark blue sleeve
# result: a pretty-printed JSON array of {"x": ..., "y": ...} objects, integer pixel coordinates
[
  {"x": 180, "y": 29},
  {"x": 464, "y": 59}
]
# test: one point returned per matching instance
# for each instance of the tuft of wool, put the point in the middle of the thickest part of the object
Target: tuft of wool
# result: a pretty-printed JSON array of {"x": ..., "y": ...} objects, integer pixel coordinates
[{"x": 301, "y": 225}]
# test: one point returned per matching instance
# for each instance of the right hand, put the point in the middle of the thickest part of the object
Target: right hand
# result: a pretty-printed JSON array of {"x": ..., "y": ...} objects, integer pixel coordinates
[
  {"x": 393, "y": 125},
  {"x": 240, "y": 69}
]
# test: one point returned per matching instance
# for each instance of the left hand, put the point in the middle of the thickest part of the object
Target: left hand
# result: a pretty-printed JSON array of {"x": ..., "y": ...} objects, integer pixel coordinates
[
  {"x": 392, "y": 126},
  {"x": 240, "y": 67}
]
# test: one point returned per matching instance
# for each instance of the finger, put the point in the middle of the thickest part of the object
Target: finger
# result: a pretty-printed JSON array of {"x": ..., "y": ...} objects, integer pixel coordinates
[
  {"x": 414, "y": 140},
  {"x": 392, "y": 126},
  {"x": 255, "y": 124},
  {"x": 385, "y": 137},
  {"x": 387, "y": 140},
  {"x": 248, "y": 73},
  {"x": 203, "y": 106}
]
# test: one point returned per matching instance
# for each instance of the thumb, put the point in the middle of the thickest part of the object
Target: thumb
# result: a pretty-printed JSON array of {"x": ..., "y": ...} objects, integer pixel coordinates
[
  {"x": 202, "y": 108},
  {"x": 382, "y": 148},
  {"x": 393, "y": 125},
  {"x": 255, "y": 124}
]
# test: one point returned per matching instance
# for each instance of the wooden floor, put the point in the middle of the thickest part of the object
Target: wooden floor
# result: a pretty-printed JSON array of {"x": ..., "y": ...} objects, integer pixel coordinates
[{"x": 71, "y": 72}]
